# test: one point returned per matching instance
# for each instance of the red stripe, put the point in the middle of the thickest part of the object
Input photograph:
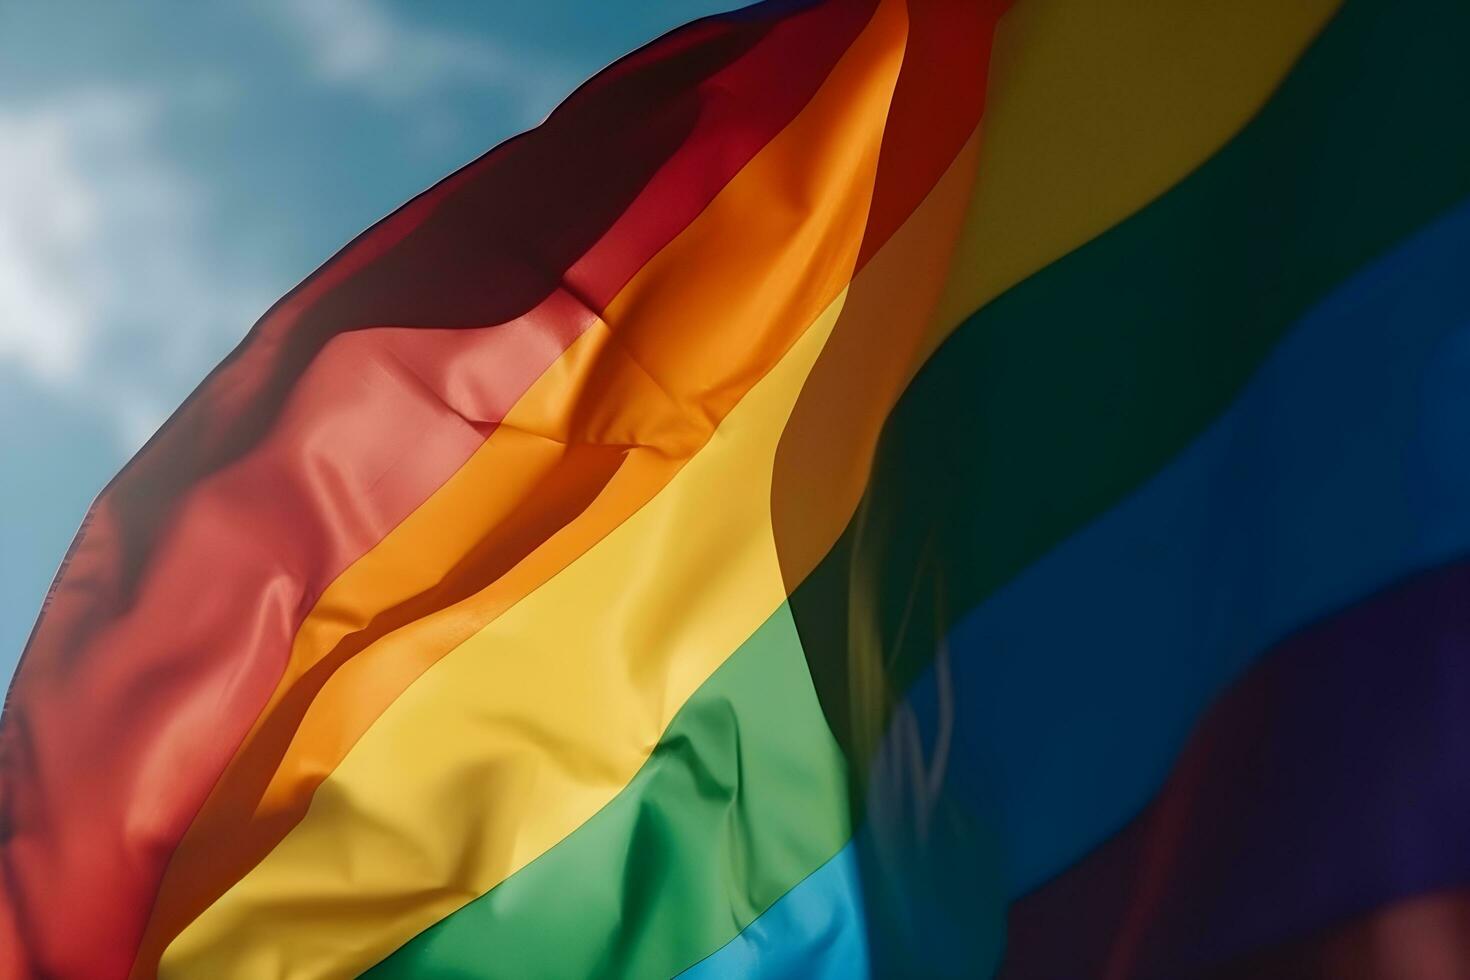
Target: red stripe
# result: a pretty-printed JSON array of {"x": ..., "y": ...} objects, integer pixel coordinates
[
  {"x": 1328, "y": 781},
  {"x": 1423, "y": 938},
  {"x": 173, "y": 616},
  {"x": 936, "y": 106}
]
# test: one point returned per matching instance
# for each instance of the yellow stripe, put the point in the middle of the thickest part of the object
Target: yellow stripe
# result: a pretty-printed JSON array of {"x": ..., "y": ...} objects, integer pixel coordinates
[
  {"x": 1093, "y": 110},
  {"x": 1038, "y": 199},
  {"x": 566, "y": 629},
  {"x": 1096, "y": 108},
  {"x": 526, "y": 729}
]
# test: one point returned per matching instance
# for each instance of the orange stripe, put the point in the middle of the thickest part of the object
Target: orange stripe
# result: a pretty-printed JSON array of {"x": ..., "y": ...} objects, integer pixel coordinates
[{"x": 593, "y": 440}]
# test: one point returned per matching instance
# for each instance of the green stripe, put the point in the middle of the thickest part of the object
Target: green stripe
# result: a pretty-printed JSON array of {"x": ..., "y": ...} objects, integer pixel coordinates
[
  {"x": 1071, "y": 389},
  {"x": 1042, "y": 411},
  {"x": 744, "y": 795}
]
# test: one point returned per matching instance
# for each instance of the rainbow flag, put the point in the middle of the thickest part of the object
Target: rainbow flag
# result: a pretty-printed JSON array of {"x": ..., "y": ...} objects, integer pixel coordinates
[{"x": 930, "y": 488}]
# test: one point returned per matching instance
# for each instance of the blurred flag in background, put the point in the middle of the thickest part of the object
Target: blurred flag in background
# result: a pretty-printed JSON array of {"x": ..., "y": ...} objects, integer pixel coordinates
[{"x": 943, "y": 487}]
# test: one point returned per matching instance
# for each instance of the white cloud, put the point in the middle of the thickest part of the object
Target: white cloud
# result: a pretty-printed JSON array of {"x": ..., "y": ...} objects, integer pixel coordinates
[
  {"x": 102, "y": 260},
  {"x": 359, "y": 44},
  {"x": 109, "y": 295}
]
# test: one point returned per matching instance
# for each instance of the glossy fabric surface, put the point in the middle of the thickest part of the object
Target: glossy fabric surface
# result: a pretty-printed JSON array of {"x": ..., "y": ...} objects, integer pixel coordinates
[{"x": 907, "y": 487}]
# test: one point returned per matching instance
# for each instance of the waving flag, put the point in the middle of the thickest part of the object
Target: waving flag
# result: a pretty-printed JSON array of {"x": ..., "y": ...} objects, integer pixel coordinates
[{"x": 946, "y": 487}]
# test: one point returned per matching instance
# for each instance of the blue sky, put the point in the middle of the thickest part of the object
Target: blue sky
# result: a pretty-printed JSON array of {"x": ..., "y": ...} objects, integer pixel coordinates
[{"x": 167, "y": 170}]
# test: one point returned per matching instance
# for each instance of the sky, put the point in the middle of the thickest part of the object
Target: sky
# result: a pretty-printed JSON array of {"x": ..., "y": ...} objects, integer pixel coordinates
[{"x": 168, "y": 170}]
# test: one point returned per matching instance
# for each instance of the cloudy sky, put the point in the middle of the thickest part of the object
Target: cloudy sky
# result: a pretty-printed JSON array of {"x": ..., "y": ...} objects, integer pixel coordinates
[{"x": 167, "y": 170}]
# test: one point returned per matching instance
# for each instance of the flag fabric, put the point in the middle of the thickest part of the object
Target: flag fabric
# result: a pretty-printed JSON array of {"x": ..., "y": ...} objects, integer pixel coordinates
[{"x": 929, "y": 488}]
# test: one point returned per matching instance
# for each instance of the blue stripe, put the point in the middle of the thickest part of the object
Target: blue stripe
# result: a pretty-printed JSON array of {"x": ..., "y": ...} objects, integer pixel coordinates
[
  {"x": 816, "y": 930},
  {"x": 1343, "y": 466}
]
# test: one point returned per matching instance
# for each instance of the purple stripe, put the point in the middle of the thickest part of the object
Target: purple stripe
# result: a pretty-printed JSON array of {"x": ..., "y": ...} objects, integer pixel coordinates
[{"x": 1334, "y": 778}]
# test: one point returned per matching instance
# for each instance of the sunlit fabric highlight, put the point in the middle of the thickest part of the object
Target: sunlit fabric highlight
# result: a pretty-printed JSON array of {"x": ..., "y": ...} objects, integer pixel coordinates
[{"x": 868, "y": 487}]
